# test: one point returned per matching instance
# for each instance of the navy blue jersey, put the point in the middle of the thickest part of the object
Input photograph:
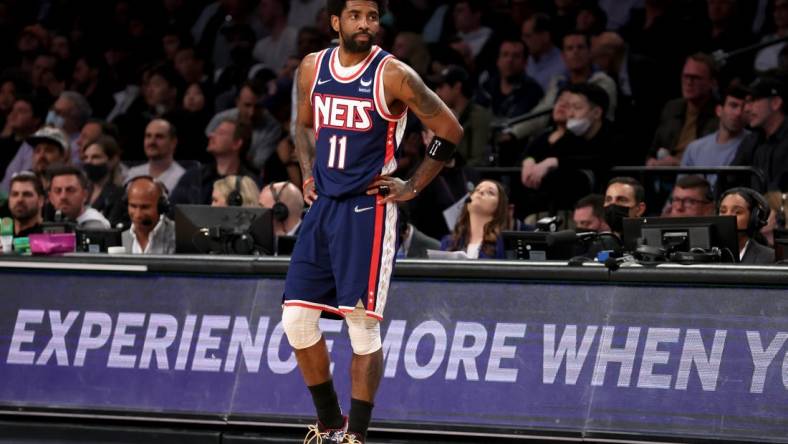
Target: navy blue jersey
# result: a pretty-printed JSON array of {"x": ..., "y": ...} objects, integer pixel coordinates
[{"x": 356, "y": 137}]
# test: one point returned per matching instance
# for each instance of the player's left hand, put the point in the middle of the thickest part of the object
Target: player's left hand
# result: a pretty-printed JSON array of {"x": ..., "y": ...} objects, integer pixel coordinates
[{"x": 398, "y": 189}]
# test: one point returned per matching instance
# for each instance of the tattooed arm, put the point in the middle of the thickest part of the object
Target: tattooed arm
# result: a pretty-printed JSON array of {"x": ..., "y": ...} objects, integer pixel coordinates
[
  {"x": 304, "y": 134},
  {"x": 403, "y": 87}
]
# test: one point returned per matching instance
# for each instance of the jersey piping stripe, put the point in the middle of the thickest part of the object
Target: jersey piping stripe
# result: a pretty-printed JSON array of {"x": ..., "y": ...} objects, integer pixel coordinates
[
  {"x": 312, "y": 305},
  {"x": 379, "y": 93},
  {"x": 318, "y": 61},
  {"x": 352, "y": 77},
  {"x": 387, "y": 257},
  {"x": 374, "y": 263}
]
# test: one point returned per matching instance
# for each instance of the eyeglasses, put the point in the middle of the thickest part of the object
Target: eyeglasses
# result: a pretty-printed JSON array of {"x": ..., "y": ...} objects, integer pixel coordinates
[{"x": 687, "y": 202}]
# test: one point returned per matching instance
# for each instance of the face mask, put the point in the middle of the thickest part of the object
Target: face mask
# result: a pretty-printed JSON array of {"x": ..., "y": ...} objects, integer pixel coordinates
[
  {"x": 95, "y": 172},
  {"x": 614, "y": 216},
  {"x": 54, "y": 119},
  {"x": 578, "y": 127}
]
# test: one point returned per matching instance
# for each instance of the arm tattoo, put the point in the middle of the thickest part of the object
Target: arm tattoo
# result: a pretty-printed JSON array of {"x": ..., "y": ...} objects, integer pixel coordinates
[
  {"x": 304, "y": 140},
  {"x": 427, "y": 170},
  {"x": 424, "y": 101},
  {"x": 304, "y": 137}
]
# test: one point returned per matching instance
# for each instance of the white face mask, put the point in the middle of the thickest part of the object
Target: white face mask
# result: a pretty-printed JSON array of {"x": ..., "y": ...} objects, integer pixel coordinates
[
  {"x": 578, "y": 127},
  {"x": 54, "y": 119}
]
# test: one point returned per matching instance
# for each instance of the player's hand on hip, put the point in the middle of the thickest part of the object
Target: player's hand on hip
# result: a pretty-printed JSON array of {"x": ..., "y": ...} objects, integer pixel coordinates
[
  {"x": 310, "y": 194},
  {"x": 393, "y": 189}
]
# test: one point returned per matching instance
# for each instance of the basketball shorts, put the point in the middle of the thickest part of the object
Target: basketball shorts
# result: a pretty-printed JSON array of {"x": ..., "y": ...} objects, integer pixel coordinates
[{"x": 344, "y": 255}]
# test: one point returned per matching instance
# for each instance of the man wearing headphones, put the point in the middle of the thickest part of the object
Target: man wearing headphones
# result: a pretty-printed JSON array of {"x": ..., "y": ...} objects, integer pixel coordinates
[
  {"x": 151, "y": 231},
  {"x": 752, "y": 211},
  {"x": 287, "y": 205}
]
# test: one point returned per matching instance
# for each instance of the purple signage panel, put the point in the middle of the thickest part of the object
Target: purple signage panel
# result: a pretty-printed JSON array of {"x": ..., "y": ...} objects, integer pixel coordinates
[{"x": 637, "y": 359}]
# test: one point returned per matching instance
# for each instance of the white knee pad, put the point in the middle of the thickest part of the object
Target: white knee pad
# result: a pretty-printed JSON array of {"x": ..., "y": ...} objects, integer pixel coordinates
[
  {"x": 364, "y": 332},
  {"x": 301, "y": 326}
]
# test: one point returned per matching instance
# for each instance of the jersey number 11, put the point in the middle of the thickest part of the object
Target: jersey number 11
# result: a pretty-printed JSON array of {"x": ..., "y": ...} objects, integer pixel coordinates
[{"x": 337, "y": 160}]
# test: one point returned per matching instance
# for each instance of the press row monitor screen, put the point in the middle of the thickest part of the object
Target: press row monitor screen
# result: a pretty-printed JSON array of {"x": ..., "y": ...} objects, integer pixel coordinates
[{"x": 684, "y": 234}]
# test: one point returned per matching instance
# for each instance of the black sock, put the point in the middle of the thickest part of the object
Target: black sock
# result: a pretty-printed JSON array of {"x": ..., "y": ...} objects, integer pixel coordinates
[
  {"x": 360, "y": 415},
  {"x": 327, "y": 405}
]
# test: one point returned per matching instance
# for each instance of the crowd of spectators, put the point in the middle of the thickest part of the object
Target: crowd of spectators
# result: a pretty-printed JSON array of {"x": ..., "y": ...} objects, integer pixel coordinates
[{"x": 196, "y": 97}]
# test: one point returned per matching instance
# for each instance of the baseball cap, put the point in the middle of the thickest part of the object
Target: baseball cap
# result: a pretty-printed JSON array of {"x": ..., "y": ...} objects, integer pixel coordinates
[
  {"x": 49, "y": 134},
  {"x": 764, "y": 87}
]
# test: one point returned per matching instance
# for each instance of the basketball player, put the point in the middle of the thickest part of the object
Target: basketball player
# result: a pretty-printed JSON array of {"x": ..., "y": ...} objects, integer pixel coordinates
[{"x": 352, "y": 105}]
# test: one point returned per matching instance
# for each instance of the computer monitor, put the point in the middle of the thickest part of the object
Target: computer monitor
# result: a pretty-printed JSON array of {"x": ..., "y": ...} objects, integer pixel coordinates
[
  {"x": 285, "y": 245},
  {"x": 539, "y": 245},
  {"x": 97, "y": 241},
  {"x": 204, "y": 229},
  {"x": 684, "y": 234}
]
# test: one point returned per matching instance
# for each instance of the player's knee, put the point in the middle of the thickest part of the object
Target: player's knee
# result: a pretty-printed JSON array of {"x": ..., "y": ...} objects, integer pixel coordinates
[
  {"x": 364, "y": 333},
  {"x": 301, "y": 325}
]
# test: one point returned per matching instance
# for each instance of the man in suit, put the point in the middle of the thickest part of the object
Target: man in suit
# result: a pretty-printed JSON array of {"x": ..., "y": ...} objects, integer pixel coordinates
[{"x": 413, "y": 243}]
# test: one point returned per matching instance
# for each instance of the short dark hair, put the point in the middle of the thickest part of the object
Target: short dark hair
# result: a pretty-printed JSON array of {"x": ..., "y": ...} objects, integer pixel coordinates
[
  {"x": 706, "y": 59},
  {"x": 38, "y": 105},
  {"x": 735, "y": 90},
  {"x": 542, "y": 22},
  {"x": 593, "y": 93},
  {"x": 585, "y": 36},
  {"x": 68, "y": 170},
  {"x": 335, "y": 7},
  {"x": 694, "y": 181},
  {"x": 241, "y": 131},
  {"x": 595, "y": 201},
  {"x": 108, "y": 144},
  {"x": 640, "y": 192},
  {"x": 107, "y": 128},
  {"x": 29, "y": 177}
]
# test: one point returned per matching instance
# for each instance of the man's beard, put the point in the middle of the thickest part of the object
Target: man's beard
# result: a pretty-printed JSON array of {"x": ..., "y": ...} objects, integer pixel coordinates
[
  {"x": 25, "y": 215},
  {"x": 352, "y": 46}
]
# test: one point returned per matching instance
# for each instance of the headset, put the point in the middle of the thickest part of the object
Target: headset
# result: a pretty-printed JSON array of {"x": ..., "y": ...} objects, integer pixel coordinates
[
  {"x": 235, "y": 199},
  {"x": 759, "y": 208},
  {"x": 279, "y": 210},
  {"x": 162, "y": 205}
]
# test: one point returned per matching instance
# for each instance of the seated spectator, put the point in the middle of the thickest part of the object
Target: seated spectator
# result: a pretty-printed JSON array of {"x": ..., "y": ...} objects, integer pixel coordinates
[
  {"x": 101, "y": 165},
  {"x": 266, "y": 131},
  {"x": 287, "y": 204},
  {"x": 413, "y": 244},
  {"x": 26, "y": 116},
  {"x": 479, "y": 227},
  {"x": 719, "y": 148},
  {"x": 576, "y": 53},
  {"x": 91, "y": 130},
  {"x": 752, "y": 212},
  {"x": 161, "y": 139},
  {"x": 547, "y": 141},
  {"x": 69, "y": 113},
  {"x": 50, "y": 148},
  {"x": 91, "y": 80},
  {"x": 274, "y": 49},
  {"x": 225, "y": 145},
  {"x": 767, "y": 147},
  {"x": 544, "y": 58},
  {"x": 68, "y": 193},
  {"x": 455, "y": 88},
  {"x": 509, "y": 92},
  {"x": 624, "y": 197},
  {"x": 768, "y": 58},
  {"x": 692, "y": 197},
  {"x": 151, "y": 231},
  {"x": 589, "y": 214},
  {"x": 25, "y": 201},
  {"x": 689, "y": 117},
  {"x": 561, "y": 175},
  {"x": 235, "y": 191}
]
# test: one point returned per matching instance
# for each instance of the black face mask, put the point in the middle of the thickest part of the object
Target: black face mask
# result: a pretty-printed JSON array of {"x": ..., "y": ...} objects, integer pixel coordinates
[
  {"x": 614, "y": 216},
  {"x": 95, "y": 172}
]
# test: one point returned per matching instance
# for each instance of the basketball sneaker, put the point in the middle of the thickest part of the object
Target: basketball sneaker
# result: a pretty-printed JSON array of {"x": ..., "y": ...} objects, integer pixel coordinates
[
  {"x": 319, "y": 434},
  {"x": 352, "y": 438}
]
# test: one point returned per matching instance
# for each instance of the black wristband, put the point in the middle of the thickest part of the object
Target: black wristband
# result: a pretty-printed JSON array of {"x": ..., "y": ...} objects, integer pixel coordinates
[{"x": 440, "y": 149}]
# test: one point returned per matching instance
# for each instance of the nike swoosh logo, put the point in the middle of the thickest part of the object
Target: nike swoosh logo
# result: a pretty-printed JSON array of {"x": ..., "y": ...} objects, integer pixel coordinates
[
  {"x": 361, "y": 210},
  {"x": 367, "y": 83},
  {"x": 320, "y": 82}
]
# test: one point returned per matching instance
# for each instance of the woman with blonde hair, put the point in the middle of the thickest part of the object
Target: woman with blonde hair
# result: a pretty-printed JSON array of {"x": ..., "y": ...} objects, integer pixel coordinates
[
  {"x": 484, "y": 216},
  {"x": 235, "y": 191}
]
